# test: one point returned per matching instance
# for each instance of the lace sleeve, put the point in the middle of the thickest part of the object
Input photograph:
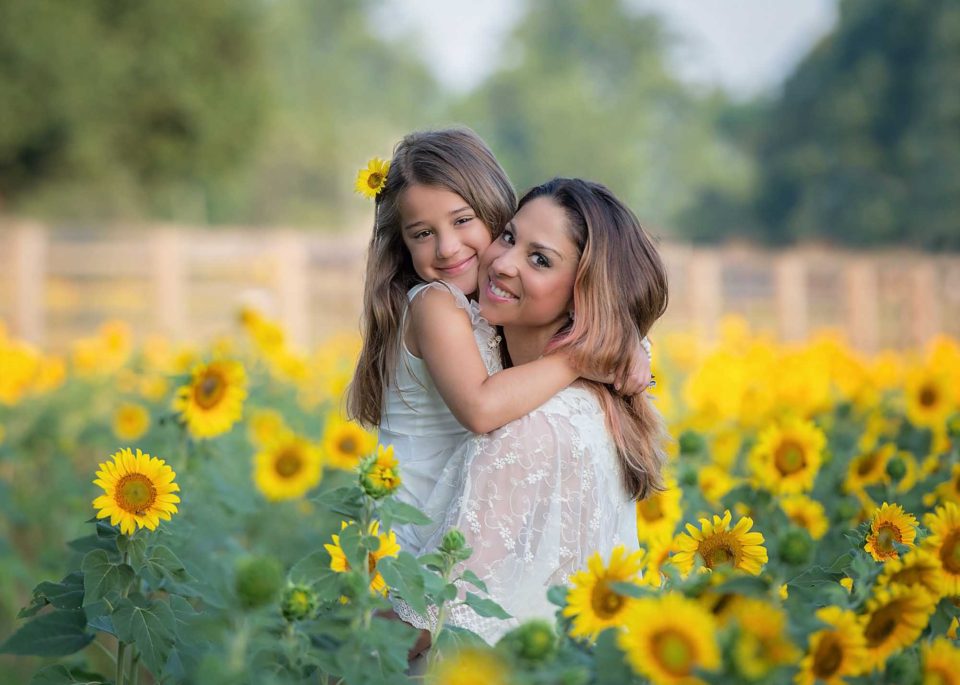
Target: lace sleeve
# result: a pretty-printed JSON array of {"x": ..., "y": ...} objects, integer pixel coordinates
[{"x": 529, "y": 503}]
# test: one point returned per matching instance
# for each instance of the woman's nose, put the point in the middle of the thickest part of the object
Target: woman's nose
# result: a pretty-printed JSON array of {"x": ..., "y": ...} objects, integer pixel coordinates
[{"x": 505, "y": 264}]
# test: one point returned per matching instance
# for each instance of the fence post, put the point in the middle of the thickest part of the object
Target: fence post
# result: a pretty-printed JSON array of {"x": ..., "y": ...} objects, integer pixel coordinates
[
  {"x": 29, "y": 268},
  {"x": 169, "y": 281},
  {"x": 791, "y": 297},
  {"x": 925, "y": 302},
  {"x": 863, "y": 295},
  {"x": 706, "y": 290},
  {"x": 292, "y": 259}
]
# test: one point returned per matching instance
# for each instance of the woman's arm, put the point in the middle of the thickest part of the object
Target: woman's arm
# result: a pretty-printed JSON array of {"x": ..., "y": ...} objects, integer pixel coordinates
[{"x": 443, "y": 337}]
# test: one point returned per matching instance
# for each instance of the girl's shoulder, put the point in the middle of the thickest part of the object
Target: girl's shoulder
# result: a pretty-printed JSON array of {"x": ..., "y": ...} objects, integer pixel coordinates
[{"x": 459, "y": 298}]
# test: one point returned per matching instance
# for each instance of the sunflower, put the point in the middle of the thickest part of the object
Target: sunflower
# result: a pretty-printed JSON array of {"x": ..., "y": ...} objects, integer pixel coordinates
[
  {"x": 807, "y": 513},
  {"x": 470, "y": 666},
  {"x": 658, "y": 514},
  {"x": 918, "y": 569},
  {"x": 213, "y": 400},
  {"x": 835, "y": 652},
  {"x": 869, "y": 467},
  {"x": 890, "y": 525},
  {"x": 592, "y": 603},
  {"x": 787, "y": 456},
  {"x": 717, "y": 545},
  {"x": 658, "y": 554},
  {"x": 895, "y": 616},
  {"x": 380, "y": 473},
  {"x": 941, "y": 662},
  {"x": 761, "y": 644},
  {"x": 715, "y": 482},
  {"x": 944, "y": 542},
  {"x": 265, "y": 426},
  {"x": 928, "y": 398},
  {"x": 372, "y": 178},
  {"x": 669, "y": 637},
  {"x": 287, "y": 468},
  {"x": 130, "y": 421},
  {"x": 388, "y": 548},
  {"x": 345, "y": 443},
  {"x": 949, "y": 490},
  {"x": 139, "y": 491}
]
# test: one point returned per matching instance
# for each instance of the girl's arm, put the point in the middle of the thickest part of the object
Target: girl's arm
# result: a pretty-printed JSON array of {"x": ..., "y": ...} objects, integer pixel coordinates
[{"x": 443, "y": 337}]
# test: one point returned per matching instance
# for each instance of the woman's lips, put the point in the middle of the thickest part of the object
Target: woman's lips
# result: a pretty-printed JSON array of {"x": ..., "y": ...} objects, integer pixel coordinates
[{"x": 498, "y": 293}]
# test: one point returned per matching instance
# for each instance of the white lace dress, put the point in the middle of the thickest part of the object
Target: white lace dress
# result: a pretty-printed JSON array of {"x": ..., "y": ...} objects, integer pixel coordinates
[
  {"x": 534, "y": 499},
  {"x": 423, "y": 431}
]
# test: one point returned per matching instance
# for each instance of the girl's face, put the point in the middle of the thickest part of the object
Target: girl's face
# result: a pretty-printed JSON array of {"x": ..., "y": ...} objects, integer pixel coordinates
[
  {"x": 444, "y": 235},
  {"x": 527, "y": 274}
]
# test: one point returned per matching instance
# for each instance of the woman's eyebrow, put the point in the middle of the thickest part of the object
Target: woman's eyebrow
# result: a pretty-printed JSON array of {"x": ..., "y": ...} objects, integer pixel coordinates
[{"x": 546, "y": 248}]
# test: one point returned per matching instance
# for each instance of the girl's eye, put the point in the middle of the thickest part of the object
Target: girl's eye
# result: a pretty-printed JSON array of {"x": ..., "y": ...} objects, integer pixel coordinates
[
  {"x": 462, "y": 220},
  {"x": 421, "y": 235},
  {"x": 540, "y": 261}
]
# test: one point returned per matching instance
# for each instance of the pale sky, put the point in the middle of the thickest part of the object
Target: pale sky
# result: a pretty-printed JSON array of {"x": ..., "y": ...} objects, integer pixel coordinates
[{"x": 745, "y": 46}]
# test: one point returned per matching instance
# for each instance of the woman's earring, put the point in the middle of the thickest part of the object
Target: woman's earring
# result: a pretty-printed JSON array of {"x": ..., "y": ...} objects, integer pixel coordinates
[{"x": 570, "y": 314}]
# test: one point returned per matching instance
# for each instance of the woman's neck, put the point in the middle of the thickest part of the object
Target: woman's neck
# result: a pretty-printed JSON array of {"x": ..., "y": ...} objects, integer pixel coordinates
[{"x": 526, "y": 344}]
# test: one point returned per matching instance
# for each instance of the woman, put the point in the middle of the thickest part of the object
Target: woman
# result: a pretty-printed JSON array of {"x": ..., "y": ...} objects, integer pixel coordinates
[{"x": 572, "y": 271}]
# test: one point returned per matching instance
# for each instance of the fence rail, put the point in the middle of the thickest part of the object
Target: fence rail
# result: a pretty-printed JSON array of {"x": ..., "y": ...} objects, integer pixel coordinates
[{"x": 188, "y": 283}]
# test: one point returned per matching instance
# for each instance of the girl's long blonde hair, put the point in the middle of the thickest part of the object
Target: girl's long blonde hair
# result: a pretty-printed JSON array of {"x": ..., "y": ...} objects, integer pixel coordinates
[
  {"x": 457, "y": 160},
  {"x": 619, "y": 292}
]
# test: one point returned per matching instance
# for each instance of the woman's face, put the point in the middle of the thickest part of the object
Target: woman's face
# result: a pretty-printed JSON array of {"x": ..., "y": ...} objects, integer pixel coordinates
[{"x": 527, "y": 274}]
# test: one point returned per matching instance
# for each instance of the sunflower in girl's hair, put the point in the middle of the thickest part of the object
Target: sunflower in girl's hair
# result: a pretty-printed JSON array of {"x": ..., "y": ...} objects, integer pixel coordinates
[{"x": 372, "y": 178}]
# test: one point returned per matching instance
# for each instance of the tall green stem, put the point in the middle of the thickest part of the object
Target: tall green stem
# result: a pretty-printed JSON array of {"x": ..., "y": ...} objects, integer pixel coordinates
[{"x": 121, "y": 653}]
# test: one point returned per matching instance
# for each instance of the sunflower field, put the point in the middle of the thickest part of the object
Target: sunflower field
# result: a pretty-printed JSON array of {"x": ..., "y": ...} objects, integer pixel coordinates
[{"x": 176, "y": 514}]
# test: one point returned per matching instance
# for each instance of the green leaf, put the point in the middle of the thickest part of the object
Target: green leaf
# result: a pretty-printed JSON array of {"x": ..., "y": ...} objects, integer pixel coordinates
[
  {"x": 394, "y": 512},
  {"x": 351, "y": 542},
  {"x": 403, "y": 575},
  {"x": 151, "y": 626},
  {"x": 57, "y": 633},
  {"x": 455, "y": 637},
  {"x": 311, "y": 567},
  {"x": 61, "y": 675},
  {"x": 89, "y": 543},
  {"x": 611, "y": 667},
  {"x": 433, "y": 561},
  {"x": 67, "y": 594},
  {"x": 485, "y": 607},
  {"x": 557, "y": 595},
  {"x": 103, "y": 579},
  {"x": 163, "y": 563},
  {"x": 346, "y": 501},
  {"x": 135, "y": 548},
  {"x": 750, "y": 586},
  {"x": 472, "y": 578}
]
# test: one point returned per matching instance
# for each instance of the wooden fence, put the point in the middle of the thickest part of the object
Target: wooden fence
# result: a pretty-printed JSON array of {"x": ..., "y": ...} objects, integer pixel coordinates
[{"x": 186, "y": 283}]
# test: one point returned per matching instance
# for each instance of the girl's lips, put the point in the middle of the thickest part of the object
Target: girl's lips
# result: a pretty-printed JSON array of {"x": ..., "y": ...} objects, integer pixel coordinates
[{"x": 457, "y": 268}]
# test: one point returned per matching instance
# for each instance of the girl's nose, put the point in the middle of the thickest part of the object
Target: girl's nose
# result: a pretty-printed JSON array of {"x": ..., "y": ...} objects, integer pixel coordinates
[{"x": 447, "y": 247}]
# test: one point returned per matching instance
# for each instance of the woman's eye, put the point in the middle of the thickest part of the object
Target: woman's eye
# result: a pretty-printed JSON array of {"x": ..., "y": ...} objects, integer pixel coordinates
[
  {"x": 540, "y": 260},
  {"x": 507, "y": 237}
]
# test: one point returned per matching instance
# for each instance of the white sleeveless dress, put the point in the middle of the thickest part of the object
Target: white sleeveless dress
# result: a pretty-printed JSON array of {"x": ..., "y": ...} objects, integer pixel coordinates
[{"x": 422, "y": 430}]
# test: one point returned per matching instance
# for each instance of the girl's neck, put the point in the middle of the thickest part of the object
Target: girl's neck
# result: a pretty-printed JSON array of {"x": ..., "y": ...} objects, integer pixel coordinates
[{"x": 526, "y": 344}]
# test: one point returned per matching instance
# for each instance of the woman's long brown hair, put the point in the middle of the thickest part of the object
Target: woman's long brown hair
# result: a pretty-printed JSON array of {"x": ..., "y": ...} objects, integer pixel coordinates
[
  {"x": 619, "y": 292},
  {"x": 459, "y": 161}
]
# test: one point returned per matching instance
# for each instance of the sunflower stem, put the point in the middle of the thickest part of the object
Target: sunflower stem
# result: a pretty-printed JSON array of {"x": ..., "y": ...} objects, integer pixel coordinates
[
  {"x": 135, "y": 667},
  {"x": 121, "y": 653}
]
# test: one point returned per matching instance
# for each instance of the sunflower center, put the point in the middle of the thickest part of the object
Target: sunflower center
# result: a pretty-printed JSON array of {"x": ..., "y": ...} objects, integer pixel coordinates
[
  {"x": 887, "y": 535},
  {"x": 950, "y": 553},
  {"x": 881, "y": 624},
  {"x": 650, "y": 509},
  {"x": 718, "y": 550},
  {"x": 210, "y": 389},
  {"x": 347, "y": 445},
  {"x": 936, "y": 676},
  {"x": 605, "y": 602},
  {"x": 371, "y": 563},
  {"x": 909, "y": 576},
  {"x": 288, "y": 463},
  {"x": 674, "y": 652},
  {"x": 789, "y": 457},
  {"x": 866, "y": 464},
  {"x": 828, "y": 657},
  {"x": 928, "y": 396},
  {"x": 374, "y": 180},
  {"x": 135, "y": 493}
]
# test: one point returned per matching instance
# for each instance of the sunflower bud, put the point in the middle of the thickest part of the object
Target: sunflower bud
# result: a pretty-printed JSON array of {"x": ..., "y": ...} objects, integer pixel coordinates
[
  {"x": 534, "y": 641},
  {"x": 691, "y": 442},
  {"x": 379, "y": 473},
  {"x": 299, "y": 602},
  {"x": 258, "y": 581},
  {"x": 454, "y": 543},
  {"x": 796, "y": 546},
  {"x": 896, "y": 469},
  {"x": 903, "y": 668}
]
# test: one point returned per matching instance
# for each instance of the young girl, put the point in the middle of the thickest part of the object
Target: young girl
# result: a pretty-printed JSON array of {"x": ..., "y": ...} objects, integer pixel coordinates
[{"x": 429, "y": 371}]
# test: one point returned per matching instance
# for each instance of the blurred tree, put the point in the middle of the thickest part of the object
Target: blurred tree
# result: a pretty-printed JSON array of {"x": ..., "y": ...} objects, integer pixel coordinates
[
  {"x": 125, "y": 108},
  {"x": 863, "y": 146},
  {"x": 585, "y": 91}
]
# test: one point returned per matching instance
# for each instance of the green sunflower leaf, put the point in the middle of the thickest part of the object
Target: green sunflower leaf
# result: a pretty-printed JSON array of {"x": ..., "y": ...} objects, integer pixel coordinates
[
  {"x": 151, "y": 626},
  {"x": 393, "y": 512},
  {"x": 485, "y": 607},
  {"x": 57, "y": 633},
  {"x": 403, "y": 575},
  {"x": 103, "y": 579},
  {"x": 61, "y": 675}
]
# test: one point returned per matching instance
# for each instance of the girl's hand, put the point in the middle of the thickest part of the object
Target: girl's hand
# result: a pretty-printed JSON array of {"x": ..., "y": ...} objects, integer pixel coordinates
[{"x": 633, "y": 376}]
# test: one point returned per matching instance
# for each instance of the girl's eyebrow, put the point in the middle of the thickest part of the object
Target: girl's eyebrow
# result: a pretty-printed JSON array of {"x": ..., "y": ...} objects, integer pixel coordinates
[{"x": 465, "y": 208}]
